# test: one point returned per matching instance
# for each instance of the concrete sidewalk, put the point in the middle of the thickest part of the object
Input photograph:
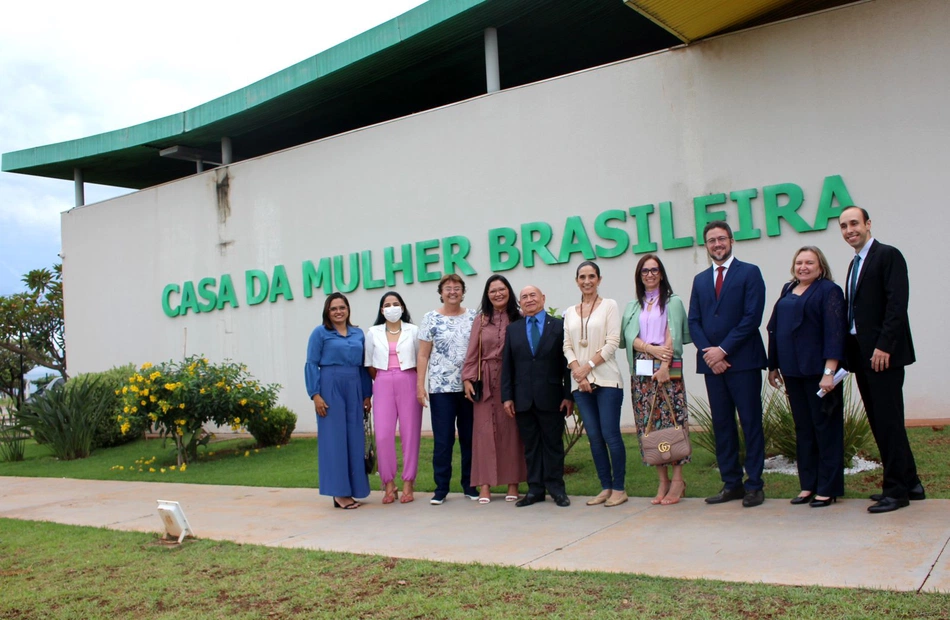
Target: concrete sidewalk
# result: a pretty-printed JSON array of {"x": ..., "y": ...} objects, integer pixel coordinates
[{"x": 840, "y": 546}]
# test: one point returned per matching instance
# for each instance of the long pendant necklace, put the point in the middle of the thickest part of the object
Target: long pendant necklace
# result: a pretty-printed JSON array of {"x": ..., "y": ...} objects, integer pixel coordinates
[{"x": 584, "y": 330}]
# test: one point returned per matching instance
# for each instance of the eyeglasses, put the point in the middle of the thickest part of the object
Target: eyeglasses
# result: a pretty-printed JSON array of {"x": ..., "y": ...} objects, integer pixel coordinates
[
  {"x": 451, "y": 289},
  {"x": 646, "y": 271},
  {"x": 713, "y": 240}
]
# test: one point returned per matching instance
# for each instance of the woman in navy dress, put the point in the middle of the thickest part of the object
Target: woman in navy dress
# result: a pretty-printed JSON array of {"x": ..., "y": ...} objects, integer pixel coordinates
[
  {"x": 806, "y": 345},
  {"x": 340, "y": 388}
]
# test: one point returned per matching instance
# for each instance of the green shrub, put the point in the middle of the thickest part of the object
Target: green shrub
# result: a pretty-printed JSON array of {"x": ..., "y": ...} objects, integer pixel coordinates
[
  {"x": 700, "y": 416},
  {"x": 574, "y": 425},
  {"x": 857, "y": 430},
  {"x": 12, "y": 443},
  {"x": 178, "y": 398},
  {"x": 778, "y": 425},
  {"x": 66, "y": 420},
  {"x": 273, "y": 427},
  {"x": 109, "y": 432}
]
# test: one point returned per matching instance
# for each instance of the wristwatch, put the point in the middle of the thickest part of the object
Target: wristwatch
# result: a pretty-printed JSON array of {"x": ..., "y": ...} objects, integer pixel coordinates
[{"x": 829, "y": 371}]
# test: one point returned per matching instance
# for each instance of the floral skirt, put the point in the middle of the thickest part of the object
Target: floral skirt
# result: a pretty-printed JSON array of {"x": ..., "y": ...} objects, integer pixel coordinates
[{"x": 642, "y": 393}]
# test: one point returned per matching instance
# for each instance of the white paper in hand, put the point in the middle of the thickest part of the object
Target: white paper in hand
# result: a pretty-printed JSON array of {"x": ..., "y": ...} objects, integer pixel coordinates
[{"x": 841, "y": 374}]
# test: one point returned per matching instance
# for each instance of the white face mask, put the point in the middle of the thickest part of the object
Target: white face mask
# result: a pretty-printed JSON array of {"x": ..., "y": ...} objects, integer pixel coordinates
[{"x": 392, "y": 313}]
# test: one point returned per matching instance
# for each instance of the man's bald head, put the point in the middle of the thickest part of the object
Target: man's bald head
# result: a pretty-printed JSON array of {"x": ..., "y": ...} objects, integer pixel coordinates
[{"x": 532, "y": 300}]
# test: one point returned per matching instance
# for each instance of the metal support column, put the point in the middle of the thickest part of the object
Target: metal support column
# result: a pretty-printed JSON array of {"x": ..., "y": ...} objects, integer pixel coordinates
[
  {"x": 226, "y": 151},
  {"x": 492, "y": 72},
  {"x": 80, "y": 188}
]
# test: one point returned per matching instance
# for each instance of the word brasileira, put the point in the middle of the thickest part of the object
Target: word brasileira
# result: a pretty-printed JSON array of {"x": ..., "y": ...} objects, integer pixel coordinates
[{"x": 507, "y": 248}]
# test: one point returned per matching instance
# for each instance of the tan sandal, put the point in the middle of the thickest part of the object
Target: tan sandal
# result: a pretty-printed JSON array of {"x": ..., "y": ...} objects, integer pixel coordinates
[
  {"x": 677, "y": 492},
  {"x": 391, "y": 496},
  {"x": 406, "y": 494},
  {"x": 661, "y": 492}
]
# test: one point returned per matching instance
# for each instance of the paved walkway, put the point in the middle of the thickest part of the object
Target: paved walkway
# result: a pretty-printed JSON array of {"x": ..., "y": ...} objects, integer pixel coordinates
[{"x": 840, "y": 546}]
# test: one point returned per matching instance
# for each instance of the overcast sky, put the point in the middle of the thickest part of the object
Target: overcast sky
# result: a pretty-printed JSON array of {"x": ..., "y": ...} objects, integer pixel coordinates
[{"x": 74, "y": 69}]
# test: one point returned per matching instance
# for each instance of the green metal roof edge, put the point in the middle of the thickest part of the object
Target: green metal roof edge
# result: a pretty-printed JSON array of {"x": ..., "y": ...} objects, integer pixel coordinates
[{"x": 374, "y": 40}]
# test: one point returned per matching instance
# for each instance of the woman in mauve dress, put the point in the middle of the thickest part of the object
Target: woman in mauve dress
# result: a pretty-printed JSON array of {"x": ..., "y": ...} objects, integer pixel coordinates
[{"x": 497, "y": 451}]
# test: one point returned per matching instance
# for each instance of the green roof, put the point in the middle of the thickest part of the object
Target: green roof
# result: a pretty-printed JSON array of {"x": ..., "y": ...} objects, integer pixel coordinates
[{"x": 430, "y": 56}]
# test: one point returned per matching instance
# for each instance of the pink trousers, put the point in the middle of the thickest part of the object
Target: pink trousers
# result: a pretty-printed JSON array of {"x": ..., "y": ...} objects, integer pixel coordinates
[{"x": 394, "y": 399}]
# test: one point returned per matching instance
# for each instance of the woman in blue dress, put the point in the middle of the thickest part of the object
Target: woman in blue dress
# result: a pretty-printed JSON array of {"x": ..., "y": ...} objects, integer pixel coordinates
[{"x": 340, "y": 388}]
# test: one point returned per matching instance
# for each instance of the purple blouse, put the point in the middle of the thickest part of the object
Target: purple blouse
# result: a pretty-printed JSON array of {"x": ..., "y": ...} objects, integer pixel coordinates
[{"x": 653, "y": 323}]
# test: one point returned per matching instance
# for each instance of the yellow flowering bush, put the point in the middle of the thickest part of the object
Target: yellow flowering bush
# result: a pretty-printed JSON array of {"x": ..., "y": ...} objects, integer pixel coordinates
[{"x": 177, "y": 399}]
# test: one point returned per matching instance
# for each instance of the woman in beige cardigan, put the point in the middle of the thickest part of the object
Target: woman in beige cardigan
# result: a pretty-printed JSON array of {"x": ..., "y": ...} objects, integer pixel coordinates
[{"x": 591, "y": 337}]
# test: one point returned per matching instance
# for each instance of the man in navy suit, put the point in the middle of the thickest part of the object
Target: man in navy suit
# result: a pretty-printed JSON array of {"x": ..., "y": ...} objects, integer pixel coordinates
[
  {"x": 536, "y": 391},
  {"x": 877, "y": 349},
  {"x": 725, "y": 311}
]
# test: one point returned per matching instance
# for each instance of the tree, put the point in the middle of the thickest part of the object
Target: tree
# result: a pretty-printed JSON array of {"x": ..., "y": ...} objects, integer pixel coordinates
[
  {"x": 31, "y": 323},
  {"x": 12, "y": 369}
]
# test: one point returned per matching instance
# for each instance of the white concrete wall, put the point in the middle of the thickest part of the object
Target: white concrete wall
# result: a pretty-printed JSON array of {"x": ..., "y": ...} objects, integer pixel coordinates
[{"x": 859, "y": 92}]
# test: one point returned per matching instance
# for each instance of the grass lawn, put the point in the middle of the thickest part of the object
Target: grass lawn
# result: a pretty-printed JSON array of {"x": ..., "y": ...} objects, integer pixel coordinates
[
  {"x": 57, "y": 571},
  {"x": 295, "y": 465}
]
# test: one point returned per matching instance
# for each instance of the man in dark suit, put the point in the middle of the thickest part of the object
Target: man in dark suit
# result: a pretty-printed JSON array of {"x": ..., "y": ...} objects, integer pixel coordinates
[
  {"x": 536, "y": 391},
  {"x": 877, "y": 348},
  {"x": 725, "y": 311}
]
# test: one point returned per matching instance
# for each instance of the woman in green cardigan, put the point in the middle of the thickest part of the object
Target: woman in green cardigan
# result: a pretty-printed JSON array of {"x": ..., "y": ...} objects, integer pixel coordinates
[{"x": 654, "y": 328}]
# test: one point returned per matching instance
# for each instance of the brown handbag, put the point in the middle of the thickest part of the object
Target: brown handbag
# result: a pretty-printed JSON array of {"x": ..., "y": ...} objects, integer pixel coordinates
[{"x": 668, "y": 445}]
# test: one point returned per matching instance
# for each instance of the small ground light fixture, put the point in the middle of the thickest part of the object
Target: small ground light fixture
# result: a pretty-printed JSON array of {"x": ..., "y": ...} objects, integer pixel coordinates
[{"x": 174, "y": 520}]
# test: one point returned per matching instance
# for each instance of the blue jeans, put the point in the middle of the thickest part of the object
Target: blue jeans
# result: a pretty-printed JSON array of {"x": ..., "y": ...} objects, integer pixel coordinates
[
  {"x": 448, "y": 410},
  {"x": 600, "y": 412}
]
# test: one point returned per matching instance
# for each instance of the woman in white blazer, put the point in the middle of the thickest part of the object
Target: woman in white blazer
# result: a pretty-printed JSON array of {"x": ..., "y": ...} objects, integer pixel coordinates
[{"x": 392, "y": 344}]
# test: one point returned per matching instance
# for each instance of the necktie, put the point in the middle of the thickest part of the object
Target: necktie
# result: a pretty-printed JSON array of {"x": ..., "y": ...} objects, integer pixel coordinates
[
  {"x": 720, "y": 268},
  {"x": 852, "y": 287},
  {"x": 535, "y": 334}
]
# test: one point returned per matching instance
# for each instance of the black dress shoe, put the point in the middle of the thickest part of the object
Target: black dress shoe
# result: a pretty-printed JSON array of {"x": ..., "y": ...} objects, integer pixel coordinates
[
  {"x": 562, "y": 500},
  {"x": 888, "y": 504},
  {"x": 822, "y": 503},
  {"x": 529, "y": 499},
  {"x": 753, "y": 498},
  {"x": 726, "y": 495},
  {"x": 802, "y": 499},
  {"x": 915, "y": 495}
]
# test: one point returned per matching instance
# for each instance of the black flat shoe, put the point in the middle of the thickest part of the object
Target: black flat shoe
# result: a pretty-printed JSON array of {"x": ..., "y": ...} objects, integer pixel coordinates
[
  {"x": 915, "y": 495},
  {"x": 726, "y": 495},
  {"x": 821, "y": 503},
  {"x": 802, "y": 499},
  {"x": 753, "y": 498},
  {"x": 529, "y": 500},
  {"x": 888, "y": 504}
]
